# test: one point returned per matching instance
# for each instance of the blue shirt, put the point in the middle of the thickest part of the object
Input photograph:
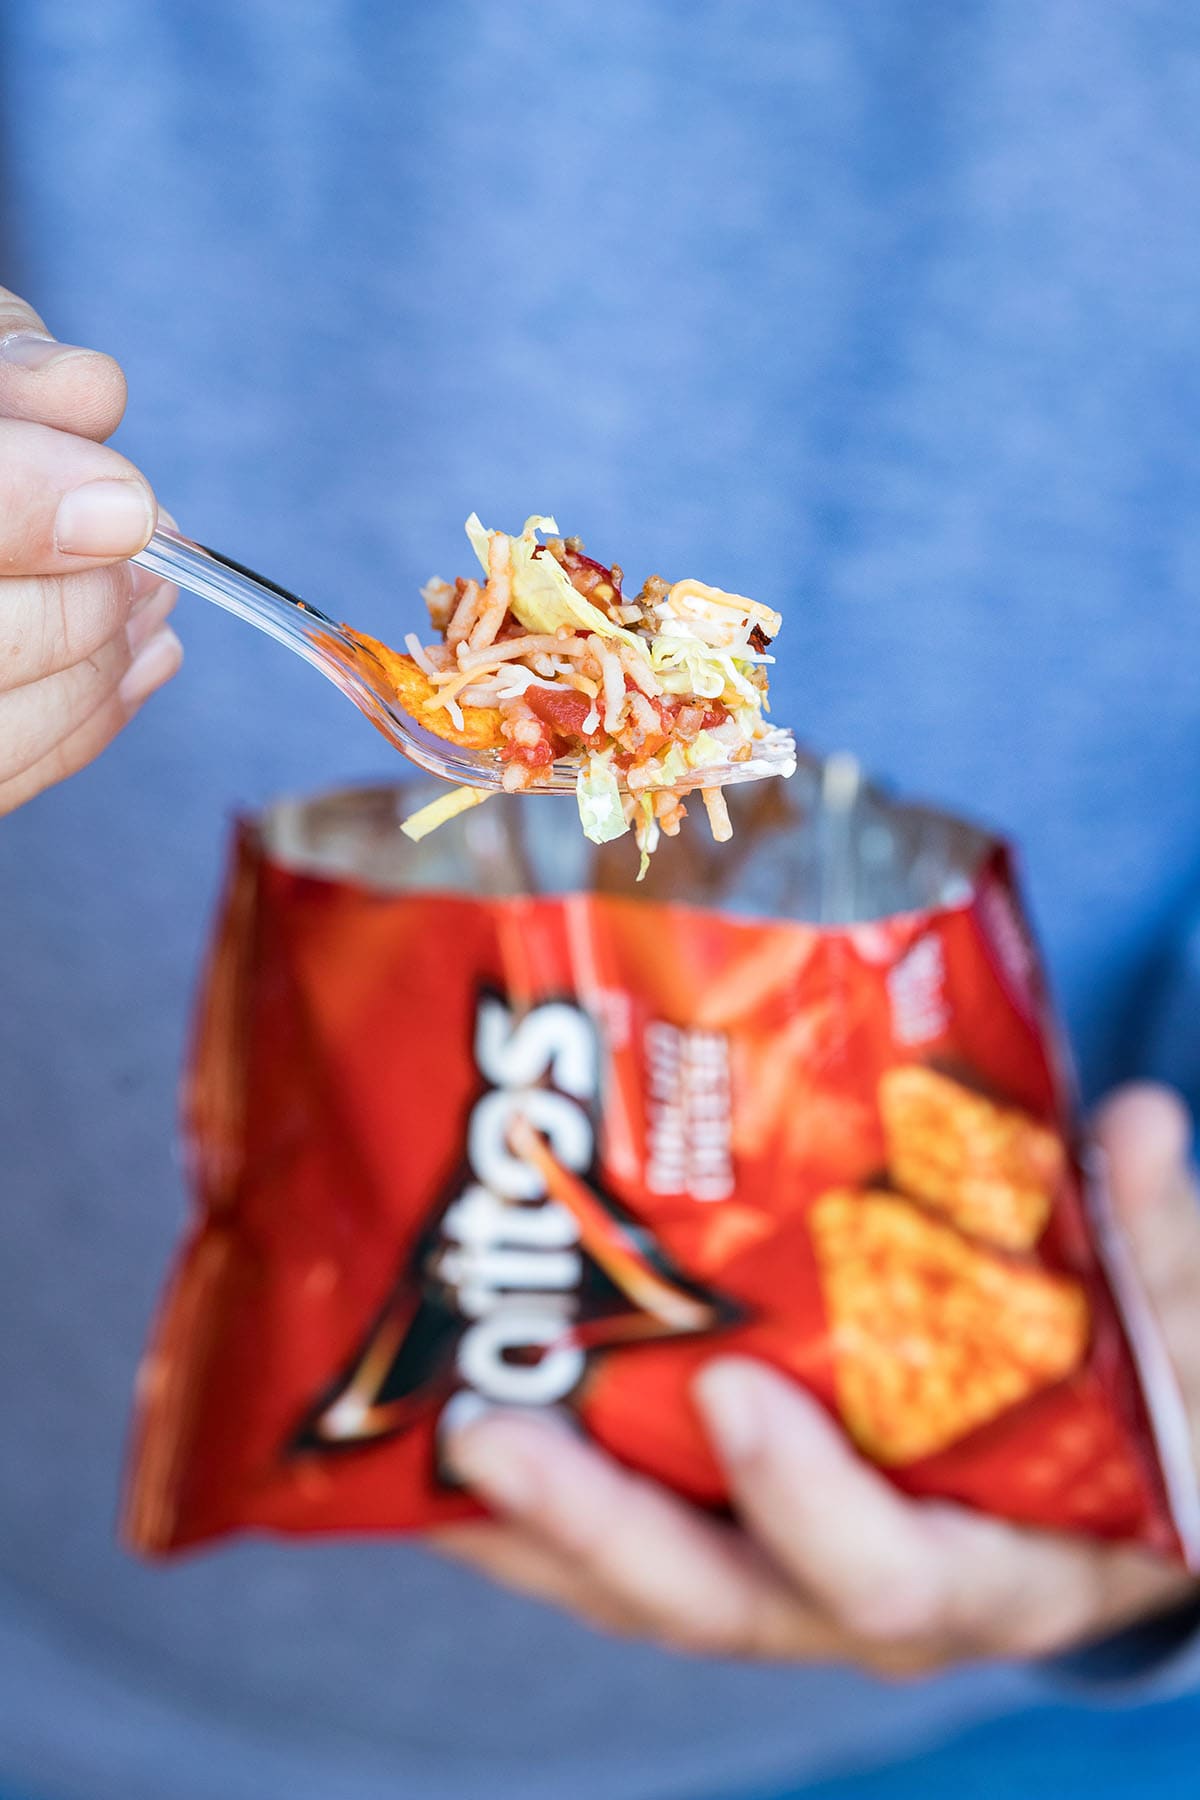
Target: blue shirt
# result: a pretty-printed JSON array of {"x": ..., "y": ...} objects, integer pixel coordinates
[{"x": 886, "y": 315}]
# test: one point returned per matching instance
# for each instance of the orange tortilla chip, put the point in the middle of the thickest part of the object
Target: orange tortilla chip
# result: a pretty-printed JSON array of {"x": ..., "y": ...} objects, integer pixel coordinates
[
  {"x": 414, "y": 690},
  {"x": 991, "y": 1169},
  {"x": 933, "y": 1336}
]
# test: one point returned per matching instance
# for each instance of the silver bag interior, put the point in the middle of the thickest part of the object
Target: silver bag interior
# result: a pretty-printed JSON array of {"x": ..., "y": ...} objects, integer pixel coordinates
[{"x": 826, "y": 847}]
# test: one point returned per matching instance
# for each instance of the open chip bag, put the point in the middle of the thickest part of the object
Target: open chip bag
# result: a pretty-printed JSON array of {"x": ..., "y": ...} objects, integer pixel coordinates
[{"x": 470, "y": 1124}]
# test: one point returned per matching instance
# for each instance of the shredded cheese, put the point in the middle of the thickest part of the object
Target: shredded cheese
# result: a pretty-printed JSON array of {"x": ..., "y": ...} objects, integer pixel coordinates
[
  {"x": 697, "y": 591},
  {"x": 718, "y": 814},
  {"x": 439, "y": 812}
]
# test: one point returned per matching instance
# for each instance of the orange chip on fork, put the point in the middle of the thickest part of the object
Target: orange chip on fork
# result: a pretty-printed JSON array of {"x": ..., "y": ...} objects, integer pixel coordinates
[{"x": 418, "y": 695}]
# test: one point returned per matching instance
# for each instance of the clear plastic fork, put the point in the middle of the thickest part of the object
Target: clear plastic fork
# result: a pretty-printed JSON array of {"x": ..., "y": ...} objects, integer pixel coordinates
[{"x": 336, "y": 651}]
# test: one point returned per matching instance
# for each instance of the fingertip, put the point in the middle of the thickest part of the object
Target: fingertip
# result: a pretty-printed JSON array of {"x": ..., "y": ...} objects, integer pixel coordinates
[
  {"x": 87, "y": 388},
  {"x": 1144, "y": 1132},
  {"x": 66, "y": 386},
  {"x": 499, "y": 1456},
  {"x": 142, "y": 582},
  {"x": 745, "y": 1403},
  {"x": 151, "y": 609},
  {"x": 155, "y": 662},
  {"x": 95, "y": 384},
  {"x": 727, "y": 1395}
]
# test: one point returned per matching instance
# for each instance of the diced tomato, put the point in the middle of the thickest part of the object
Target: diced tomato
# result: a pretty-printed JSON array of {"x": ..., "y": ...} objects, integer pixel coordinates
[
  {"x": 562, "y": 708},
  {"x": 534, "y": 756}
]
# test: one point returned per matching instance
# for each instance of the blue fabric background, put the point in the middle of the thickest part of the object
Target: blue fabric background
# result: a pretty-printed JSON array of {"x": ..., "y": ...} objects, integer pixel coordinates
[
  {"x": 1045, "y": 1752},
  {"x": 887, "y": 314}
]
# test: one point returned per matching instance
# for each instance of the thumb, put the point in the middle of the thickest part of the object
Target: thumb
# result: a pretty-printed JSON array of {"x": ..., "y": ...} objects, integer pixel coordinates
[{"x": 1144, "y": 1135}]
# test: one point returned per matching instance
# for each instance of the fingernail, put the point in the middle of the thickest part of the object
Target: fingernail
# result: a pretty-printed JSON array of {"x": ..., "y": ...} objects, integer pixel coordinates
[
  {"x": 726, "y": 1393},
  {"x": 155, "y": 662},
  {"x": 148, "y": 612},
  {"x": 104, "y": 518},
  {"x": 29, "y": 349},
  {"x": 485, "y": 1459}
]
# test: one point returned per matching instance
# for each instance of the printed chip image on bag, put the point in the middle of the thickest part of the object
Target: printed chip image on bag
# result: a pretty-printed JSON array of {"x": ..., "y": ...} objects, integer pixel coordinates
[{"x": 480, "y": 1122}]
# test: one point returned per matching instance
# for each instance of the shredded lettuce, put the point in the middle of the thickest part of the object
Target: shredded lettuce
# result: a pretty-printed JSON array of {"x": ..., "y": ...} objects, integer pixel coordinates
[
  {"x": 480, "y": 536},
  {"x": 543, "y": 595},
  {"x": 685, "y": 666},
  {"x": 600, "y": 810},
  {"x": 748, "y": 717},
  {"x": 479, "y": 540},
  {"x": 713, "y": 662},
  {"x": 672, "y": 766},
  {"x": 707, "y": 752}
]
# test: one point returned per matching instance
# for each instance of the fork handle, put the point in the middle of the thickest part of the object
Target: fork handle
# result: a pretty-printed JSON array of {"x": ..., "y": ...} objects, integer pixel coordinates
[{"x": 248, "y": 596}]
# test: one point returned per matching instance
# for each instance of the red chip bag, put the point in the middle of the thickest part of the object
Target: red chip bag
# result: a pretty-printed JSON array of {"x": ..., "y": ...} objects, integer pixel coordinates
[{"x": 479, "y": 1123}]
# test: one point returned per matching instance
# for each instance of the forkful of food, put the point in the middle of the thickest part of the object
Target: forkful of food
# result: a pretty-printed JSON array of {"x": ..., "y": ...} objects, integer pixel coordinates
[{"x": 544, "y": 676}]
